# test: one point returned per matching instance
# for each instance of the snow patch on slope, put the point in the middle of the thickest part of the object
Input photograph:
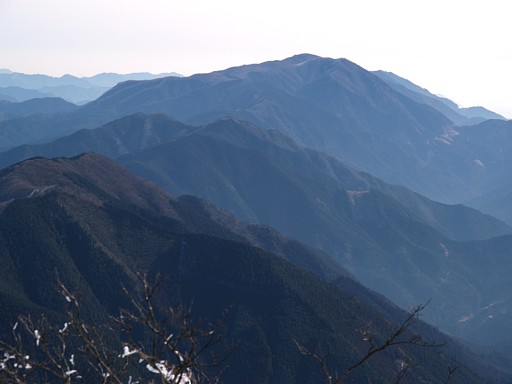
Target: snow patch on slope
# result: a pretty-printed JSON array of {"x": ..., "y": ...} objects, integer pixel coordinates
[
  {"x": 353, "y": 196},
  {"x": 447, "y": 137}
]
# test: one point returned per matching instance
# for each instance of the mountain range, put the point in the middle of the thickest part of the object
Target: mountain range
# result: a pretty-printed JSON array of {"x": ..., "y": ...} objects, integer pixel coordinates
[
  {"x": 393, "y": 240},
  {"x": 331, "y": 105},
  {"x": 97, "y": 226},
  {"x": 298, "y": 180}
]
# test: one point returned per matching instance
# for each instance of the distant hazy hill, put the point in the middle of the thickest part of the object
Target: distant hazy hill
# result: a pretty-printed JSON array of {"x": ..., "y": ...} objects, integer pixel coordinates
[
  {"x": 460, "y": 116},
  {"x": 492, "y": 142},
  {"x": 74, "y": 89},
  {"x": 17, "y": 94},
  {"x": 111, "y": 79},
  {"x": 48, "y": 105},
  {"x": 96, "y": 225},
  {"x": 126, "y": 135}
]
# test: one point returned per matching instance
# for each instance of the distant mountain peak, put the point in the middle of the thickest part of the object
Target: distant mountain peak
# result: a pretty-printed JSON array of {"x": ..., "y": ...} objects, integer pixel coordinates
[{"x": 301, "y": 58}]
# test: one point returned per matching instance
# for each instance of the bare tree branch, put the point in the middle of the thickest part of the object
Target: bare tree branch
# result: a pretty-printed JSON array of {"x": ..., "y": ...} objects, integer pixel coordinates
[
  {"x": 400, "y": 336},
  {"x": 153, "y": 345}
]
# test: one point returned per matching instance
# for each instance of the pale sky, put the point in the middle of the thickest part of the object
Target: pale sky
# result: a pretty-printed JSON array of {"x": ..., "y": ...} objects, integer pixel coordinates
[{"x": 459, "y": 49}]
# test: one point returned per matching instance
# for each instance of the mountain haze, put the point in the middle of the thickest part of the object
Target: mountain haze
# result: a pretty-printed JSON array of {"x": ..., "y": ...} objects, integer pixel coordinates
[
  {"x": 331, "y": 105},
  {"x": 265, "y": 177},
  {"x": 74, "y": 89},
  {"x": 48, "y": 105},
  {"x": 308, "y": 195},
  {"x": 316, "y": 199},
  {"x": 126, "y": 135},
  {"x": 97, "y": 225},
  {"x": 460, "y": 116},
  {"x": 139, "y": 132},
  {"x": 18, "y": 94}
]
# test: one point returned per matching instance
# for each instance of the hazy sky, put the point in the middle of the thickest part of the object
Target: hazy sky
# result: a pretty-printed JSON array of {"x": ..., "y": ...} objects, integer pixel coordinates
[{"x": 460, "y": 49}]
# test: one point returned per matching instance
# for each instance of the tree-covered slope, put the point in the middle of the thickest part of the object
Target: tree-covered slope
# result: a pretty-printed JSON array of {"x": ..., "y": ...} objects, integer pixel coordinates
[
  {"x": 394, "y": 241},
  {"x": 390, "y": 238},
  {"x": 139, "y": 132},
  {"x": 96, "y": 235},
  {"x": 46, "y": 105}
]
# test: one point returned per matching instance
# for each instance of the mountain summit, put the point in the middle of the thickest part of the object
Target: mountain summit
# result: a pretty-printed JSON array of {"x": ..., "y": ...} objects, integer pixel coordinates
[{"x": 332, "y": 105}]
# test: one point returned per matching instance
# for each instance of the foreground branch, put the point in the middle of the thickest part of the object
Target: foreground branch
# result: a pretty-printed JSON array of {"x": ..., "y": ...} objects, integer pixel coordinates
[
  {"x": 144, "y": 344},
  {"x": 401, "y": 336}
]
